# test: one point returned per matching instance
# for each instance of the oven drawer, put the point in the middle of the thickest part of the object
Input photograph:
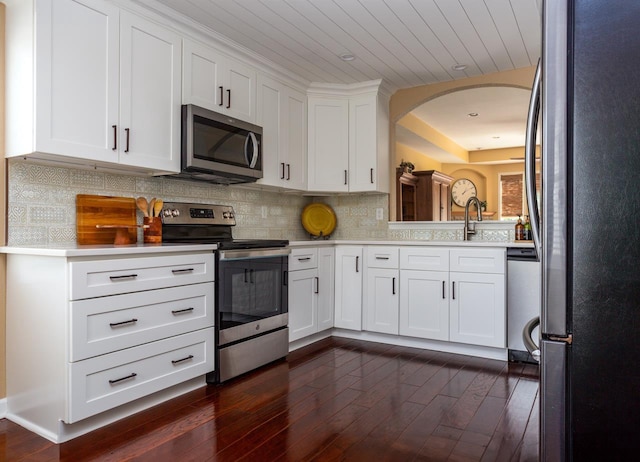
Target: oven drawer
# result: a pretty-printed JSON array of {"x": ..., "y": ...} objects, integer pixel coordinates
[
  {"x": 107, "y": 324},
  {"x": 107, "y": 381},
  {"x": 301, "y": 259},
  {"x": 97, "y": 278}
]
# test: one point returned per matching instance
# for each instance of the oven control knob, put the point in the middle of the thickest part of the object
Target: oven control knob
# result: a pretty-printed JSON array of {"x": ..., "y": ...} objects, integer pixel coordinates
[
  {"x": 175, "y": 213},
  {"x": 225, "y": 214},
  {"x": 230, "y": 214},
  {"x": 166, "y": 212}
]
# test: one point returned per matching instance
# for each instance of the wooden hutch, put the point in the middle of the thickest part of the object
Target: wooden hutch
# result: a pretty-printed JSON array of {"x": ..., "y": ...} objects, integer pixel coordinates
[{"x": 423, "y": 196}]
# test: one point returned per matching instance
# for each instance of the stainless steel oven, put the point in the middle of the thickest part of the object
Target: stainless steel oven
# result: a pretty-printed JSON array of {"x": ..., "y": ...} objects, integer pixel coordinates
[
  {"x": 252, "y": 309},
  {"x": 251, "y": 278}
]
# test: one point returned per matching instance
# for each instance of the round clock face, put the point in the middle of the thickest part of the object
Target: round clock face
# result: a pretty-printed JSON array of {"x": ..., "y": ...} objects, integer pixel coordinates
[{"x": 462, "y": 190}]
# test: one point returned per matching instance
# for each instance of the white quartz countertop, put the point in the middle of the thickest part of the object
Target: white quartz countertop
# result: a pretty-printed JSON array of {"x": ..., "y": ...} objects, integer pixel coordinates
[
  {"x": 107, "y": 250},
  {"x": 500, "y": 244}
]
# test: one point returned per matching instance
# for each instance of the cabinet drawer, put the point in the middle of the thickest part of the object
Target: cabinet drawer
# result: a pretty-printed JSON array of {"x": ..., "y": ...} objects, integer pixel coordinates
[
  {"x": 98, "y": 278},
  {"x": 107, "y": 381},
  {"x": 382, "y": 256},
  {"x": 107, "y": 324},
  {"x": 478, "y": 260},
  {"x": 424, "y": 258},
  {"x": 301, "y": 259}
]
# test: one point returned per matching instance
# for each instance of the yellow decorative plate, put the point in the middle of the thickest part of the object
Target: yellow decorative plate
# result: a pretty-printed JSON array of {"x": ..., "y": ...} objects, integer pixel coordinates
[{"x": 318, "y": 219}]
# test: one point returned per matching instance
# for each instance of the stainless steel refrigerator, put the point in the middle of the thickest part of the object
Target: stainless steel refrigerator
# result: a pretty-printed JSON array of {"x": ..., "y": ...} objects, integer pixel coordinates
[{"x": 588, "y": 229}]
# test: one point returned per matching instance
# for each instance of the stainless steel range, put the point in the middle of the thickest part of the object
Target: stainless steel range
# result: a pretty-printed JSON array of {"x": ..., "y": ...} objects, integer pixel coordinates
[{"x": 250, "y": 283}]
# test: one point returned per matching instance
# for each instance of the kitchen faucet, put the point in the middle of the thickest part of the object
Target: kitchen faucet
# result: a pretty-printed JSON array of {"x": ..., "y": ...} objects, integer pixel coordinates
[{"x": 470, "y": 228}]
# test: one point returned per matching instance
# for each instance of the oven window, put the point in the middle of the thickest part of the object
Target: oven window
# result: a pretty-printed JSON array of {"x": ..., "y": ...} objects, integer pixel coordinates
[{"x": 250, "y": 290}]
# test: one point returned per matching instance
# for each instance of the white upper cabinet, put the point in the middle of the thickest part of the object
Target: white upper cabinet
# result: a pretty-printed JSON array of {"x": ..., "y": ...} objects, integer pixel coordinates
[
  {"x": 218, "y": 82},
  {"x": 348, "y": 139},
  {"x": 106, "y": 90},
  {"x": 282, "y": 114}
]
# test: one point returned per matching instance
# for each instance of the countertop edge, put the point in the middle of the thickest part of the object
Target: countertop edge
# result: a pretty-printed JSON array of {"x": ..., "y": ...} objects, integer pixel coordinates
[
  {"x": 499, "y": 244},
  {"x": 107, "y": 250}
]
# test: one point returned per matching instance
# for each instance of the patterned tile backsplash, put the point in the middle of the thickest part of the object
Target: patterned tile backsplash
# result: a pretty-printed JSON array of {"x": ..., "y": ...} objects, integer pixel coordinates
[{"x": 42, "y": 209}]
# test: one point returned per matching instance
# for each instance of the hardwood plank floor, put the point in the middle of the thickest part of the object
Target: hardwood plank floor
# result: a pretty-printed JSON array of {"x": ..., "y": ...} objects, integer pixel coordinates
[{"x": 335, "y": 400}]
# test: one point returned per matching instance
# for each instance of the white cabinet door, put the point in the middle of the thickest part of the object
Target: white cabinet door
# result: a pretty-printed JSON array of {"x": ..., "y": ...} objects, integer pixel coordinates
[
  {"x": 296, "y": 140},
  {"x": 424, "y": 304},
  {"x": 362, "y": 143},
  {"x": 217, "y": 82},
  {"x": 281, "y": 112},
  {"x": 326, "y": 287},
  {"x": 478, "y": 309},
  {"x": 348, "y": 297},
  {"x": 77, "y": 80},
  {"x": 381, "y": 296},
  {"x": 303, "y": 303},
  {"x": 149, "y": 95},
  {"x": 328, "y": 144},
  {"x": 240, "y": 91}
]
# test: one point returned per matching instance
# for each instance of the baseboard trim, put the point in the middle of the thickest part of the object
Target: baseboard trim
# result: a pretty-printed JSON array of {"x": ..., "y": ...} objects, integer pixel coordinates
[{"x": 3, "y": 408}]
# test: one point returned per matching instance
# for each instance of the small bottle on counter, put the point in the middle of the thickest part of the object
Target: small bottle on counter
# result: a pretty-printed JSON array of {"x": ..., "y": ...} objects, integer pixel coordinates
[
  {"x": 528, "y": 235},
  {"x": 519, "y": 230}
]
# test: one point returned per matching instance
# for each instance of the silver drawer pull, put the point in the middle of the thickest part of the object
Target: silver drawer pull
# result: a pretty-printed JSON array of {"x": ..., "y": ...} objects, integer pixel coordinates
[
  {"x": 130, "y": 376},
  {"x": 122, "y": 323},
  {"x": 304, "y": 259},
  {"x": 185, "y": 310},
  {"x": 124, "y": 277},
  {"x": 382, "y": 258},
  {"x": 182, "y": 271},
  {"x": 176, "y": 361}
]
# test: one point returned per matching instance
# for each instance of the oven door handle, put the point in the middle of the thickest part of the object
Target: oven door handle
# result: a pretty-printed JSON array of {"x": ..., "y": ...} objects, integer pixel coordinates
[{"x": 244, "y": 254}]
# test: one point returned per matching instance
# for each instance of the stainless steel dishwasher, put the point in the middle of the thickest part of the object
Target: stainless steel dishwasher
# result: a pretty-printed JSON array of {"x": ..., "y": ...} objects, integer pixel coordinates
[{"x": 523, "y": 300}]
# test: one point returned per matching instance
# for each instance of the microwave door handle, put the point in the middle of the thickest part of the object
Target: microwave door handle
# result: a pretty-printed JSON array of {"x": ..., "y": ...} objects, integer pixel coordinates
[{"x": 254, "y": 156}]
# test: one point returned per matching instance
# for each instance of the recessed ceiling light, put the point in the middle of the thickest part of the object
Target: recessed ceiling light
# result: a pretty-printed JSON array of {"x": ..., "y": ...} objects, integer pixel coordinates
[
  {"x": 496, "y": 137},
  {"x": 347, "y": 57},
  {"x": 459, "y": 67},
  {"x": 473, "y": 114},
  {"x": 479, "y": 148}
]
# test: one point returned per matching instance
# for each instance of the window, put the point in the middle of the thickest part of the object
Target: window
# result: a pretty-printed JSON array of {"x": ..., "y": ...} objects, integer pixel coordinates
[{"x": 513, "y": 198}]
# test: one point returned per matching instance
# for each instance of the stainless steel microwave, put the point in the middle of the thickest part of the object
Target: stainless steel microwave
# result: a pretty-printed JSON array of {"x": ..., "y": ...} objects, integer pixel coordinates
[{"x": 219, "y": 149}]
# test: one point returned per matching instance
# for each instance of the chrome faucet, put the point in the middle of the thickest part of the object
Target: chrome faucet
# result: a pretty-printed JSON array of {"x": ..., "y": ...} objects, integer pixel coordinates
[{"x": 470, "y": 228}]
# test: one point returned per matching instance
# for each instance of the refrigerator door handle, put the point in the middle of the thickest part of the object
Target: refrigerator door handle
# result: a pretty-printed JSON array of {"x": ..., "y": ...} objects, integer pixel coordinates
[{"x": 530, "y": 157}]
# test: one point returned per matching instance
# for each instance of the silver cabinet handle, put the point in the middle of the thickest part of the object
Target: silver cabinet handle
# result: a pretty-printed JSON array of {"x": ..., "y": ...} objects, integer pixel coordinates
[
  {"x": 221, "y": 103},
  {"x": 453, "y": 290},
  {"x": 178, "y": 361},
  {"x": 115, "y": 137},
  {"x": 126, "y": 147},
  {"x": 317, "y": 285},
  {"x": 122, "y": 323},
  {"x": 393, "y": 286},
  {"x": 124, "y": 277},
  {"x": 183, "y": 311},
  {"x": 130, "y": 376},
  {"x": 282, "y": 170},
  {"x": 382, "y": 258},
  {"x": 182, "y": 271},
  {"x": 371, "y": 176},
  {"x": 288, "y": 172},
  {"x": 357, "y": 261},
  {"x": 443, "y": 289},
  {"x": 345, "y": 177},
  {"x": 228, "y": 98},
  {"x": 304, "y": 258}
]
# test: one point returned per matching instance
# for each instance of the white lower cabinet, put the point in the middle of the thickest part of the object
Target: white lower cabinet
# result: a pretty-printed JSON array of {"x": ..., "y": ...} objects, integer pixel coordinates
[
  {"x": 465, "y": 306},
  {"x": 478, "y": 309},
  {"x": 424, "y": 304},
  {"x": 311, "y": 282},
  {"x": 381, "y": 290},
  {"x": 87, "y": 335},
  {"x": 348, "y": 299}
]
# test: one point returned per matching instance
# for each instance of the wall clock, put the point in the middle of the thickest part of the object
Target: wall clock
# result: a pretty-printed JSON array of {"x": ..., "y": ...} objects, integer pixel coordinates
[{"x": 462, "y": 190}]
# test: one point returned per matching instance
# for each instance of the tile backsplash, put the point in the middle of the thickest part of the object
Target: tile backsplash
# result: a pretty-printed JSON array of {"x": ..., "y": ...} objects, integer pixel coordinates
[{"x": 42, "y": 208}]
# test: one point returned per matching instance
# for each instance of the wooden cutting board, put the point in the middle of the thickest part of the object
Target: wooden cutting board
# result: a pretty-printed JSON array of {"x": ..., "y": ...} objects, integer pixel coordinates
[{"x": 104, "y": 210}]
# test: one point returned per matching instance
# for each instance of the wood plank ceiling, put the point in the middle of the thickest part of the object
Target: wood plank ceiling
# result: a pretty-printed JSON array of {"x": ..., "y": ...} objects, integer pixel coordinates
[{"x": 405, "y": 42}]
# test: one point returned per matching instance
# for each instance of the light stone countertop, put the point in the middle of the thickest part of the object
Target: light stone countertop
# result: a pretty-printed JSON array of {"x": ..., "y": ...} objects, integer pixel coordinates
[
  {"x": 107, "y": 250},
  {"x": 499, "y": 244}
]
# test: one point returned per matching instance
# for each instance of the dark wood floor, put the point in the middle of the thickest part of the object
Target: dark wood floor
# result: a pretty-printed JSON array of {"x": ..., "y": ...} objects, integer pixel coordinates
[{"x": 337, "y": 399}]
